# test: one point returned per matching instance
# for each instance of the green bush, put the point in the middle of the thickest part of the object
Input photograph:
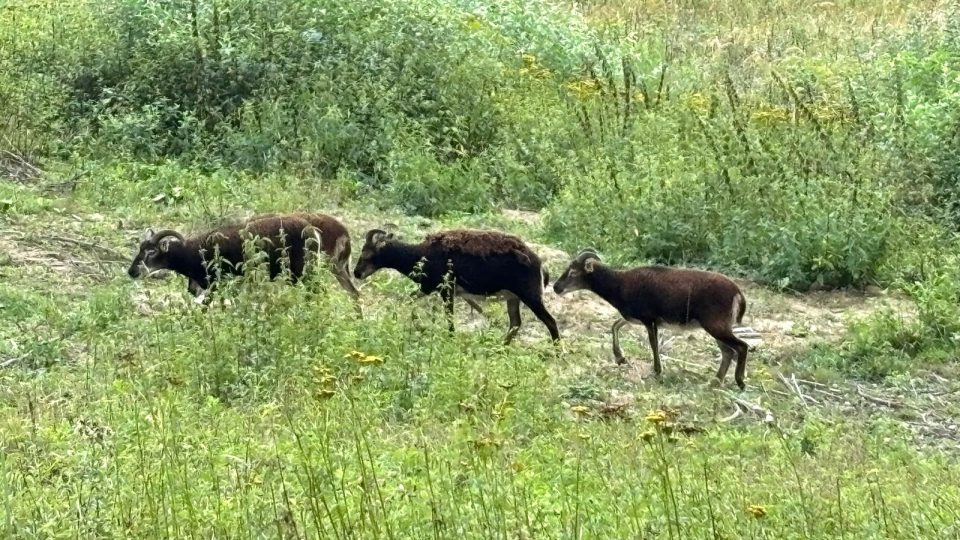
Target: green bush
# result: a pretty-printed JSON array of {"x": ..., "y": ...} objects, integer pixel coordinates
[
  {"x": 319, "y": 86},
  {"x": 800, "y": 169}
]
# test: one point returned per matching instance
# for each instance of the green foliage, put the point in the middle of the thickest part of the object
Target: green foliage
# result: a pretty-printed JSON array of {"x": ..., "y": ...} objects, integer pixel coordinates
[
  {"x": 799, "y": 169},
  {"x": 890, "y": 342},
  {"x": 329, "y": 87},
  {"x": 242, "y": 420}
]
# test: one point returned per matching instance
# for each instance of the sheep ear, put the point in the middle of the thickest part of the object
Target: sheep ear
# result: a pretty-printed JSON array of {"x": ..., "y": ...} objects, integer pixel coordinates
[
  {"x": 147, "y": 234},
  {"x": 588, "y": 266}
]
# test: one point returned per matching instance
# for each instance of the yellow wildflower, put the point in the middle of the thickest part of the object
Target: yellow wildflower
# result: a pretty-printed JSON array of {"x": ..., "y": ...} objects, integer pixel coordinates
[
  {"x": 648, "y": 435},
  {"x": 757, "y": 511},
  {"x": 698, "y": 103},
  {"x": 583, "y": 89},
  {"x": 580, "y": 409},
  {"x": 533, "y": 68},
  {"x": 583, "y": 435},
  {"x": 370, "y": 359},
  {"x": 657, "y": 417},
  {"x": 769, "y": 115},
  {"x": 485, "y": 442},
  {"x": 325, "y": 393},
  {"x": 473, "y": 22}
]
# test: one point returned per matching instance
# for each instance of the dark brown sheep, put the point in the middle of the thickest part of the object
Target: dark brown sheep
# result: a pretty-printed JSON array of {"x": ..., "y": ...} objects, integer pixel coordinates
[
  {"x": 291, "y": 235},
  {"x": 656, "y": 295},
  {"x": 477, "y": 263},
  {"x": 334, "y": 242}
]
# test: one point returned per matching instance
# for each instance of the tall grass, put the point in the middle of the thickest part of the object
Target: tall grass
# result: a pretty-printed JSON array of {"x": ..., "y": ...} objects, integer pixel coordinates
[{"x": 245, "y": 421}]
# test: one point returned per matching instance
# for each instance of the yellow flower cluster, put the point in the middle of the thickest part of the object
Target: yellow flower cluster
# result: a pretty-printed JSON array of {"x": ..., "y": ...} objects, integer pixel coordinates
[
  {"x": 580, "y": 409},
  {"x": 657, "y": 417},
  {"x": 473, "y": 22},
  {"x": 757, "y": 511},
  {"x": 770, "y": 115},
  {"x": 486, "y": 442},
  {"x": 698, "y": 103},
  {"x": 532, "y": 67},
  {"x": 659, "y": 420},
  {"x": 325, "y": 382},
  {"x": 583, "y": 89},
  {"x": 364, "y": 358}
]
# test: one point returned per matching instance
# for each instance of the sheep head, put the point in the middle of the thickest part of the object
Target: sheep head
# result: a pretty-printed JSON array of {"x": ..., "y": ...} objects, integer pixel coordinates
[{"x": 154, "y": 252}]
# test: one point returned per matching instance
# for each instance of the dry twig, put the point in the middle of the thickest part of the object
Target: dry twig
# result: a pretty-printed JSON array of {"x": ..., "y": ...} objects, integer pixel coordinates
[
  {"x": 752, "y": 407},
  {"x": 878, "y": 400}
]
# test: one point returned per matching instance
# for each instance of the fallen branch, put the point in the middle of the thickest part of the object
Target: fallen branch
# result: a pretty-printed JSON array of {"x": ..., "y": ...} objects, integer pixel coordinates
[
  {"x": 811, "y": 383},
  {"x": 752, "y": 407},
  {"x": 737, "y": 413},
  {"x": 878, "y": 400},
  {"x": 114, "y": 254},
  {"x": 746, "y": 332},
  {"x": 828, "y": 394},
  {"x": 21, "y": 161},
  {"x": 940, "y": 431},
  {"x": 11, "y": 361},
  {"x": 70, "y": 183},
  {"x": 795, "y": 388}
]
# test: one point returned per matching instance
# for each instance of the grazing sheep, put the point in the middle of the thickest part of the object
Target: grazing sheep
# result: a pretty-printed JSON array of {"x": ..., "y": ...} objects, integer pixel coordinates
[{"x": 279, "y": 235}]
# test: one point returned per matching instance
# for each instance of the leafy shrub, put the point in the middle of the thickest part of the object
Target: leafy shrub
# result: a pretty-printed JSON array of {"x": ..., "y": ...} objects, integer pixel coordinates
[
  {"x": 765, "y": 206},
  {"x": 422, "y": 185},
  {"x": 321, "y": 86},
  {"x": 803, "y": 170}
]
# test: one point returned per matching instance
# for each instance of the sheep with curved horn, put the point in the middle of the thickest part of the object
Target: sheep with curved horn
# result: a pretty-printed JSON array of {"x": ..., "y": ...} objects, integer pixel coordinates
[
  {"x": 290, "y": 235},
  {"x": 655, "y": 296}
]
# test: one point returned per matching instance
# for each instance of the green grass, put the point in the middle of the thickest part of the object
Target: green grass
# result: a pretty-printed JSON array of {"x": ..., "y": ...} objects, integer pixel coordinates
[
  {"x": 785, "y": 143},
  {"x": 130, "y": 412}
]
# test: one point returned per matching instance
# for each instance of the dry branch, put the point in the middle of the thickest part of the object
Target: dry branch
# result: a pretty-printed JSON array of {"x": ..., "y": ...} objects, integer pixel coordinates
[
  {"x": 113, "y": 254},
  {"x": 752, "y": 407},
  {"x": 878, "y": 400}
]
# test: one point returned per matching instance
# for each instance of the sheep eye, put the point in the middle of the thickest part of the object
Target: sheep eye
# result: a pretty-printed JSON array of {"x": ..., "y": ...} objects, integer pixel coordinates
[{"x": 151, "y": 252}]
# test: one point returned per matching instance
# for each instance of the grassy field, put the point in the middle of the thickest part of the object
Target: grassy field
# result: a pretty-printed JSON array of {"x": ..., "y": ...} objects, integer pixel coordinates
[{"x": 127, "y": 411}]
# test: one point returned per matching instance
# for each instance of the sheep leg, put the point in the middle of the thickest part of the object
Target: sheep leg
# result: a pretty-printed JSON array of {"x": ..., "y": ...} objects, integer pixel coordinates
[
  {"x": 726, "y": 355},
  {"x": 343, "y": 278},
  {"x": 417, "y": 295},
  {"x": 194, "y": 288},
  {"x": 342, "y": 274},
  {"x": 296, "y": 264},
  {"x": 513, "y": 311},
  {"x": 473, "y": 305},
  {"x": 735, "y": 344},
  {"x": 741, "y": 370},
  {"x": 617, "y": 352},
  {"x": 535, "y": 303},
  {"x": 654, "y": 344}
]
